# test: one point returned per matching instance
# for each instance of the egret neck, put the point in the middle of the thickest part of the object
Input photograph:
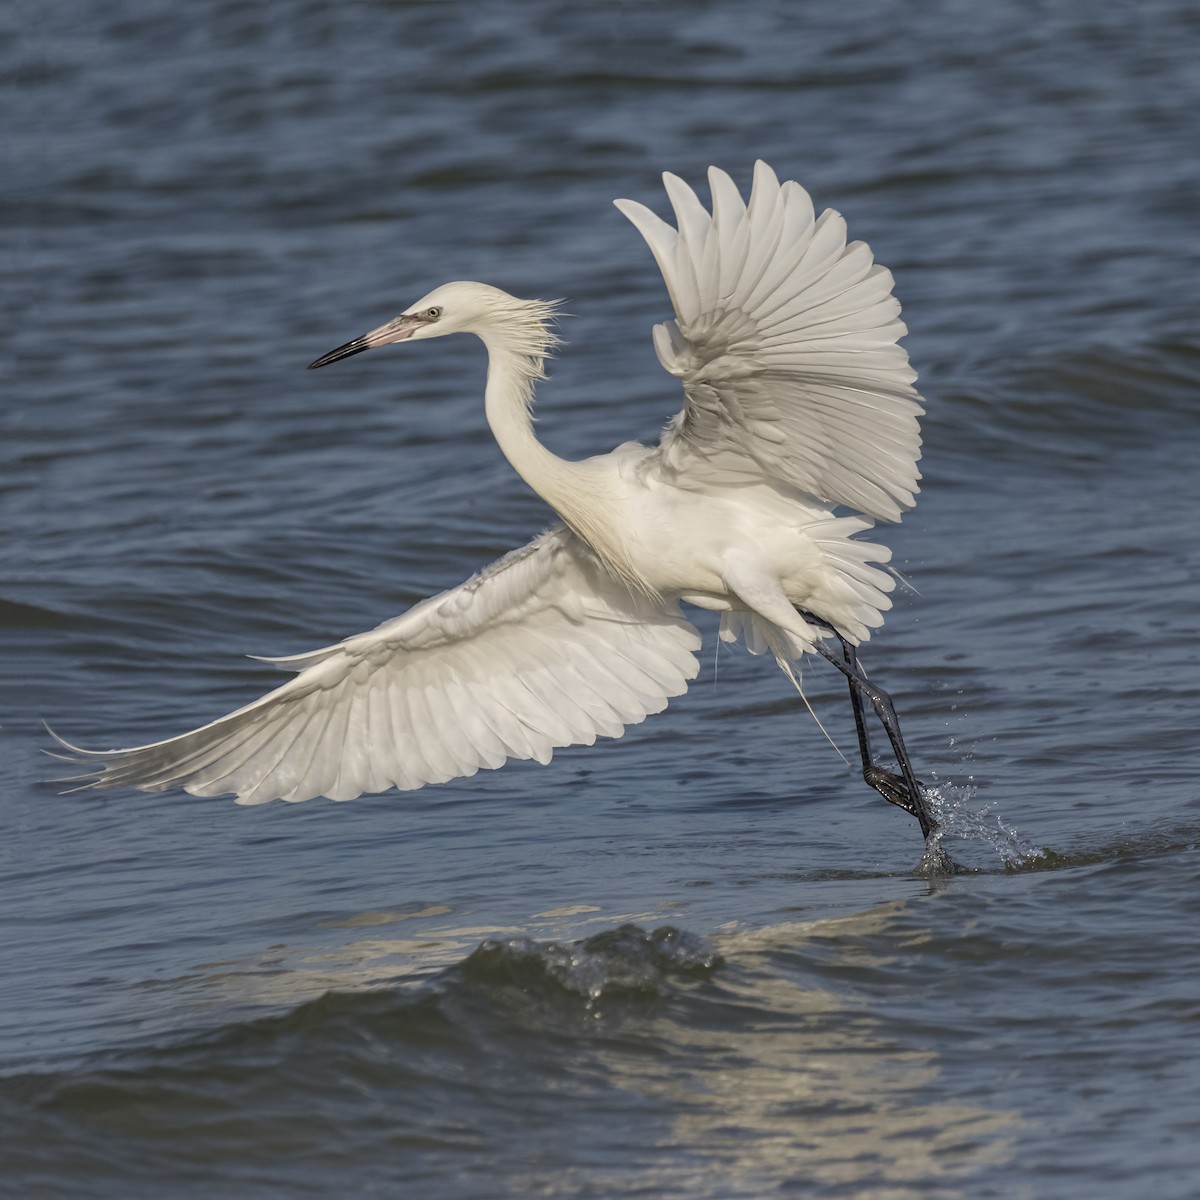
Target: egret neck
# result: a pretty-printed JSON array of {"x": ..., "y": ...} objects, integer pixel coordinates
[{"x": 516, "y": 361}]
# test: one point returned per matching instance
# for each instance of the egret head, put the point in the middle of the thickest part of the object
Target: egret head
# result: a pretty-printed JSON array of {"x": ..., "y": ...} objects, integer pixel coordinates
[{"x": 463, "y": 307}]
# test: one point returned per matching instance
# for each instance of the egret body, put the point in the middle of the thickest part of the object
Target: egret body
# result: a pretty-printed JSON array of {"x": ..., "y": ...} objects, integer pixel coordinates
[{"x": 798, "y": 405}]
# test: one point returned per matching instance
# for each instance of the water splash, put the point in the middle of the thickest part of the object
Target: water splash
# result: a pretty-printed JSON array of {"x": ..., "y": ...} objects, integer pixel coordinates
[{"x": 966, "y": 825}]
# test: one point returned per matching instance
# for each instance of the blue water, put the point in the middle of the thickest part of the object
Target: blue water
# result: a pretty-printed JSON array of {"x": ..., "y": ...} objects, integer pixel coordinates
[{"x": 696, "y": 962}]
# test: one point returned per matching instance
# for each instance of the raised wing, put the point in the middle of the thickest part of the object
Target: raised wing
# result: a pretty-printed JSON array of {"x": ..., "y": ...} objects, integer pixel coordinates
[
  {"x": 540, "y": 650},
  {"x": 785, "y": 340}
]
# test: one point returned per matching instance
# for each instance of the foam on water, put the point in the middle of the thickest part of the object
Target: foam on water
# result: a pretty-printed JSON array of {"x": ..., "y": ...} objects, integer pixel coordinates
[{"x": 622, "y": 962}]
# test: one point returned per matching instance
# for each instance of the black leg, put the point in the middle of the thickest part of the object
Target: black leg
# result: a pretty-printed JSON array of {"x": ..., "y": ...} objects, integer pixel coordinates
[
  {"x": 897, "y": 789},
  {"x": 903, "y": 790}
]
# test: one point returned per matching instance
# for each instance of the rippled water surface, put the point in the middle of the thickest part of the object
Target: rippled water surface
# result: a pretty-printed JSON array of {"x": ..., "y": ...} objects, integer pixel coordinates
[{"x": 696, "y": 962}]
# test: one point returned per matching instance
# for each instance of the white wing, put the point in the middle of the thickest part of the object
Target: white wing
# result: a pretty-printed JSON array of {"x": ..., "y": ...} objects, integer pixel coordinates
[
  {"x": 785, "y": 340},
  {"x": 542, "y": 649}
]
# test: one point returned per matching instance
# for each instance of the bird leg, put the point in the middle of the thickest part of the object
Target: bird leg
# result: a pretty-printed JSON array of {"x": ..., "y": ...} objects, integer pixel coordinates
[
  {"x": 895, "y": 788},
  {"x": 903, "y": 790}
]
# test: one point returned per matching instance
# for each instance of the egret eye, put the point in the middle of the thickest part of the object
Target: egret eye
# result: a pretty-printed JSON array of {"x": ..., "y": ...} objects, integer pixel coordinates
[{"x": 433, "y": 313}]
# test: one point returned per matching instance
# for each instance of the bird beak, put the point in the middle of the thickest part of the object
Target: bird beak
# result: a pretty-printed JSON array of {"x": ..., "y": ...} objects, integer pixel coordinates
[{"x": 399, "y": 329}]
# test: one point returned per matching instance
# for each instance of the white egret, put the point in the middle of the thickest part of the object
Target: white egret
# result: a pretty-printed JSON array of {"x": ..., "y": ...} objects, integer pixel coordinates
[{"x": 798, "y": 402}]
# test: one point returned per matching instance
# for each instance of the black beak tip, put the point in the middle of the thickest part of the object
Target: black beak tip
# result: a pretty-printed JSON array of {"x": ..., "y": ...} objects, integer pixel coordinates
[{"x": 355, "y": 347}]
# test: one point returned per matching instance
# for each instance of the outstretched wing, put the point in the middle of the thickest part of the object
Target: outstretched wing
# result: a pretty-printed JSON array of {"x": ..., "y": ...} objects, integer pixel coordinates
[
  {"x": 540, "y": 650},
  {"x": 785, "y": 340}
]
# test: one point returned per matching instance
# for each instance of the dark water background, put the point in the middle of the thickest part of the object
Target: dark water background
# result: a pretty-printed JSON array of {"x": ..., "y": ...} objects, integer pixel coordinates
[{"x": 461, "y": 993}]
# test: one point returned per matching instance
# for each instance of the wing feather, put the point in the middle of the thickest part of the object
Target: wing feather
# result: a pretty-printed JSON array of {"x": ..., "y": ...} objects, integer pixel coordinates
[
  {"x": 443, "y": 763},
  {"x": 399, "y": 732},
  {"x": 541, "y": 650},
  {"x": 381, "y": 766},
  {"x": 416, "y": 725},
  {"x": 785, "y": 339},
  {"x": 476, "y": 732}
]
